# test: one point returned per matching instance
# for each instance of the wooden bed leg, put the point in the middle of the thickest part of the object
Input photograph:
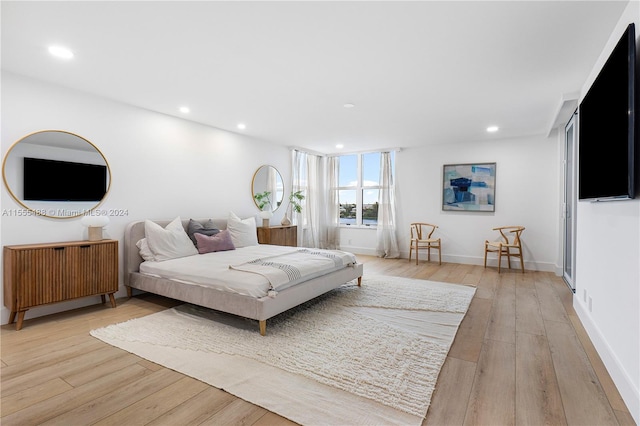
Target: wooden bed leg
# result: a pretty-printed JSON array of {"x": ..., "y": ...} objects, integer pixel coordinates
[
  {"x": 129, "y": 291},
  {"x": 263, "y": 327},
  {"x": 359, "y": 281}
]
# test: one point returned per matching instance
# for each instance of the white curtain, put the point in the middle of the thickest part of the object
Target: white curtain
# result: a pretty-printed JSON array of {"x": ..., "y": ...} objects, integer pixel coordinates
[
  {"x": 298, "y": 183},
  {"x": 387, "y": 242},
  {"x": 318, "y": 222},
  {"x": 330, "y": 234},
  {"x": 312, "y": 214}
]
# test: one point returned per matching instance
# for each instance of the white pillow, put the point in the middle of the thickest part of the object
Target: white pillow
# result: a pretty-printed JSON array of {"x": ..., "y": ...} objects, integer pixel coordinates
[
  {"x": 170, "y": 242},
  {"x": 145, "y": 251},
  {"x": 243, "y": 231}
]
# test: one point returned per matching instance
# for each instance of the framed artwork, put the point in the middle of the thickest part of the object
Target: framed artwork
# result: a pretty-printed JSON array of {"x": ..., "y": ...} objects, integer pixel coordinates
[{"x": 469, "y": 187}]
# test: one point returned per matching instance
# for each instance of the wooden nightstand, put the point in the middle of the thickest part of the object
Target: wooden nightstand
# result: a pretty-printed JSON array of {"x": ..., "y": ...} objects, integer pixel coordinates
[
  {"x": 39, "y": 274},
  {"x": 279, "y": 235}
]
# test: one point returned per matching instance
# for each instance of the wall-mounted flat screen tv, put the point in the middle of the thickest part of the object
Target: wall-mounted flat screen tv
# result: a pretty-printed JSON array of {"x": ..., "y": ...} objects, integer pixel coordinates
[
  {"x": 52, "y": 180},
  {"x": 608, "y": 127}
]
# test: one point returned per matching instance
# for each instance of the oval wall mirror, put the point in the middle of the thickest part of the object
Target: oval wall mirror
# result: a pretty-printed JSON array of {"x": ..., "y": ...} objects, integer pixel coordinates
[
  {"x": 57, "y": 174},
  {"x": 267, "y": 188}
]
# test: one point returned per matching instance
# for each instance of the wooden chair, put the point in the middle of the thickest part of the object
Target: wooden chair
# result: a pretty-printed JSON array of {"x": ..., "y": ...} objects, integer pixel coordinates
[
  {"x": 421, "y": 239},
  {"x": 510, "y": 245}
]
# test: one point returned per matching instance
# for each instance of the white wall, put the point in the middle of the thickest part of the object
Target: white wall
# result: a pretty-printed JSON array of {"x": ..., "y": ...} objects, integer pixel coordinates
[
  {"x": 608, "y": 268},
  {"x": 526, "y": 194},
  {"x": 161, "y": 166}
]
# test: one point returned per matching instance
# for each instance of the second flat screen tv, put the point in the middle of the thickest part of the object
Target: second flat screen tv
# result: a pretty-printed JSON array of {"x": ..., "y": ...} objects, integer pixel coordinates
[
  {"x": 608, "y": 127},
  {"x": 52, "y": 180}
]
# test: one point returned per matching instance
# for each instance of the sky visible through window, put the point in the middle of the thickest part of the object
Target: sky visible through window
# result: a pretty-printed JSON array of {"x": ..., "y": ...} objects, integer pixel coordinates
[
  {"x": 365, "y": 210},
  {"x": 349, "y": 177}
]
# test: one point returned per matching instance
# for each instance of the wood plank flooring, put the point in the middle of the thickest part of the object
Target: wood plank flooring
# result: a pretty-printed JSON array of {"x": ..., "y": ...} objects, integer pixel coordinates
[{"x": 521, "y": 356}]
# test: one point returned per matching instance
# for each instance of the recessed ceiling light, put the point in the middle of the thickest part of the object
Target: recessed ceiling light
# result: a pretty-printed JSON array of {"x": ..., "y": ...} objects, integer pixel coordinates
[
  {"x": 339, "y": 146},
  {"x": 492, "y": 129},
  {"x": 185, "y": 110},
  {"x": 242, "y": 126},
  {"x": 61, "y": 52},
  {"x": 349, "y": 105}
]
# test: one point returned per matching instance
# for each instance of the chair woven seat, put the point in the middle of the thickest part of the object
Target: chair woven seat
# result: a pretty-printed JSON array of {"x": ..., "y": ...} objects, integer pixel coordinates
[
  {"x": 421, "y": 233},
  {"x": 510, "y": 245}
]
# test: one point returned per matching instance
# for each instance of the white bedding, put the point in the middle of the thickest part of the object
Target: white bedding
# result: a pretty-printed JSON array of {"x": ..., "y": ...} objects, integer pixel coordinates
[{"x": 213, "y": 270}]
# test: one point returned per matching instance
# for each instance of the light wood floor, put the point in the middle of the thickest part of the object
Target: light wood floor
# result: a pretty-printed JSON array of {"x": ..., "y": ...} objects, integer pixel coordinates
[{"x": 520, "y": 357}]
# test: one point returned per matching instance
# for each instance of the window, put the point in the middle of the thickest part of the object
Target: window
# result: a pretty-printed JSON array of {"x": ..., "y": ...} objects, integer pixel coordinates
[{"x": 359, "y": 188}]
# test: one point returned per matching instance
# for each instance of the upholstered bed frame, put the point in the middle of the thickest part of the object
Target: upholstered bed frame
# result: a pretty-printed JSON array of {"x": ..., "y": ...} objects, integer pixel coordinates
[{"x": 259, "y": 309}]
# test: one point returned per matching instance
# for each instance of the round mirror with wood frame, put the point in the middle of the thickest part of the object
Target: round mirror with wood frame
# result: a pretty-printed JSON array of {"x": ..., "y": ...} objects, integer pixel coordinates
[{"x": 56, "y": 174}]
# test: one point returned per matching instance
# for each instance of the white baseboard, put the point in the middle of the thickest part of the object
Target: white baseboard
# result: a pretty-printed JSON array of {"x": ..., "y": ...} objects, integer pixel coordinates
[
  {"x": 465, "y": 260},
  {"x": 629, "y": 393},
  {"x": 492, "y": 262},
  {"x": 367, "y": 251}
]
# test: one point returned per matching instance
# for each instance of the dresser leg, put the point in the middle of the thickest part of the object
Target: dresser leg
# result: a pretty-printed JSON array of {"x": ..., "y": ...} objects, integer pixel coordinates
[
  {"x": 112, "y": 299},
  {"x": 12, "y": 317},
  {"x": 20, "y": 320},
  {"x": 103, "y": 299}
]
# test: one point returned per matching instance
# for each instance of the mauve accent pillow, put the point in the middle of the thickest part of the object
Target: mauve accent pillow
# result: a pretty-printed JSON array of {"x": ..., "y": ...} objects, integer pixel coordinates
[
  {"x": 197, "y": 228},
  {"x": 218, "y": 242}
]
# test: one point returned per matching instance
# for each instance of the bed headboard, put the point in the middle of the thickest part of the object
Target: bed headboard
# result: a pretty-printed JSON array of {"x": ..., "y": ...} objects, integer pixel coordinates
[{"x": 134, "y": 231}]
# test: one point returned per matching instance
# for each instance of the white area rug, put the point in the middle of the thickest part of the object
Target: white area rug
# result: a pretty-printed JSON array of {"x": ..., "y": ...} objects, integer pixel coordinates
[{"x": 368, "y": 355}]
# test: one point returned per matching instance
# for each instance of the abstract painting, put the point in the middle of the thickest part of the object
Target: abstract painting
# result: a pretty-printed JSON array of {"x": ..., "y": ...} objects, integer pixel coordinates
[{"x": 469, "y": 187}]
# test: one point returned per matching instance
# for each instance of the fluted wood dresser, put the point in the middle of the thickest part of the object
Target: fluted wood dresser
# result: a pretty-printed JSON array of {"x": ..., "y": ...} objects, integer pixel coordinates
[
  {"x": 278, "y": 235},
  {"x": 39, "y": 274}
]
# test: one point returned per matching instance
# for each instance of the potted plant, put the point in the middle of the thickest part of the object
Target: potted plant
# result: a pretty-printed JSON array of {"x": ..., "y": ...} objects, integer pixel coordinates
[
  {"x": 262, "y": 199},
  {"x": 294, "y": 202},
  {"x": 264, "y": 204}
]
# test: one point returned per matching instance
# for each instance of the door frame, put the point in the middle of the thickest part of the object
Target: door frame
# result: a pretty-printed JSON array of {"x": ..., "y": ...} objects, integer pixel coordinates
[{"x": 570, "y": 201}]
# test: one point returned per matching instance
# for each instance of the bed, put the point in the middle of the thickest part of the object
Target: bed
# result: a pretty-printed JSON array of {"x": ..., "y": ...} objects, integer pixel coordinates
[{"x": 261, "y": 304}]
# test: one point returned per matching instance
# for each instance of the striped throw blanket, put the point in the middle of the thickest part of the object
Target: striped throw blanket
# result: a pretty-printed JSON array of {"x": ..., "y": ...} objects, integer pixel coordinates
[{"x": 287, "y": 269}]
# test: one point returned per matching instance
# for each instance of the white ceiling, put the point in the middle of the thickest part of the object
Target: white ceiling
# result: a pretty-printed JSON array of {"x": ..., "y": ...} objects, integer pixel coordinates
[{"x": 420, "y": 72}]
